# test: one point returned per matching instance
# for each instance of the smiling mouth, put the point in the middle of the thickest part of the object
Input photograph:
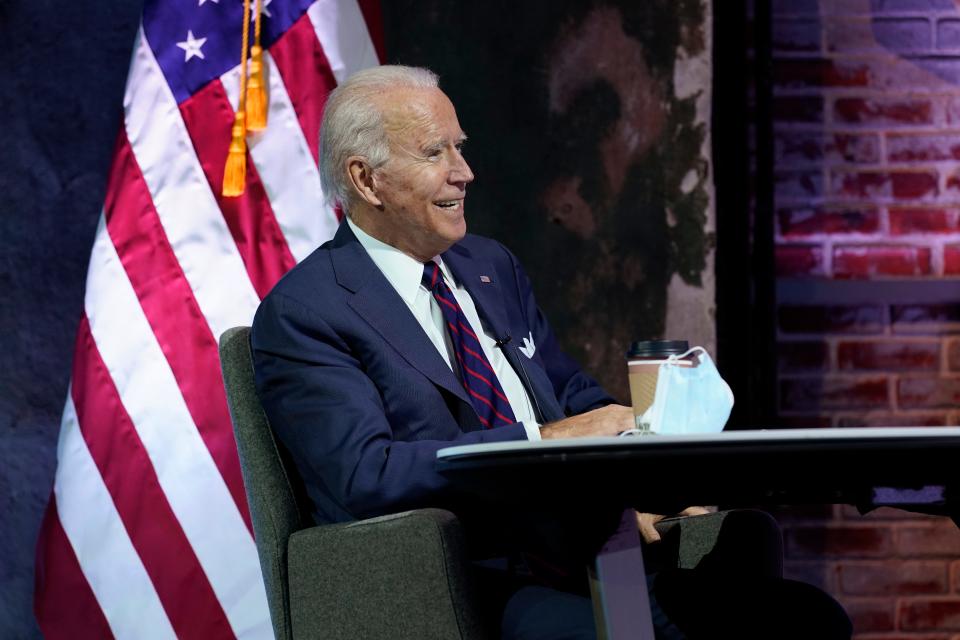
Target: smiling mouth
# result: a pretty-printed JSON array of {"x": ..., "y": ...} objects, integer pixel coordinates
[{"x": 448, "y": 204}]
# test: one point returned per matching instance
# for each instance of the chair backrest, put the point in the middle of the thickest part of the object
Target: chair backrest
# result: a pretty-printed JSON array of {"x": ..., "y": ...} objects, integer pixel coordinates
[{"x": 272, "y": 492}]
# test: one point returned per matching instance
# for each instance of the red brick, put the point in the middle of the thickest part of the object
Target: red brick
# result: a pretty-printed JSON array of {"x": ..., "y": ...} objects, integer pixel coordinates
[
  {"x": 952, "y": 111},
  {"x": 948, "y": 34},
  {"x": 922, "y": 220},
  {"x": 955, "y": 576},
  {"x": 799, "y": 260},
  {"x": 927, "y": 392},
  {"x": 926, "y": 318},
  {"x": 870, "y": 615},
  {"x": 914, "y": 184},
  {"x": 862, "y": 34},
  {"x": 792, "y": 73},
  {"x": 929, "y": 614},
  {"x": 881, "y": 184},
  {"x": 953, "y": 184},
  {"x": 864, "y": 149},
  {"x": 925, "y": 147},
  {"x": 893, "y": 578},
  {"x": 868, "y": 261},
  {"x": 892, "y": 420},
  {"x": 882, "y": 111},
  {"x": 803, "y": 356},
  {"x": 808, "y": 109},
  {"x": 825, "y": 393},
  {"x": 808, "y": 221},
  {"x": 798, "y": 148},
  {"x": 866, "y": 319},
  {"x": 892, "y": 356},
  {"x": 953, "y": 355},
  {"x": 939, "y": 537},
  {"x": 910, "y": 33},
  {"x": 888, "y": 514},
  {"x": 798, "y": 184},
  {"x": 951, "y": 259},
  {"x": 839, "y": 540},
  {"x": 862, "y": 184},
  {"x": 848, "y": 35}
]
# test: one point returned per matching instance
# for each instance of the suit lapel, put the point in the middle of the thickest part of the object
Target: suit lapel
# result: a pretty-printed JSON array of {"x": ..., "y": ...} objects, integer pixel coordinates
[
  {"x": 381, "y": 306},
  {"x": 480, "y": 279},
  {"x": 481, "y": 282}
]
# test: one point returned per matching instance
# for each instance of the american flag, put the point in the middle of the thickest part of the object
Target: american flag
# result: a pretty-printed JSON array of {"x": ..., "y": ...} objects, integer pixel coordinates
[{"x": 148, "y": 533}]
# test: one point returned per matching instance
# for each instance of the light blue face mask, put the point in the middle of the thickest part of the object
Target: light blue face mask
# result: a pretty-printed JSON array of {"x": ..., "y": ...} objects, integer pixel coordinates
[{"x": 689, "y": 399}]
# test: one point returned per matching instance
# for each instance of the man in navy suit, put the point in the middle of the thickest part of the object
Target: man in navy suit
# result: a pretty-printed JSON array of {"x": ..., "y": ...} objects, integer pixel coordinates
[
  {"x": 404, "y": 335},
  {"x": 353, "y": 371}
]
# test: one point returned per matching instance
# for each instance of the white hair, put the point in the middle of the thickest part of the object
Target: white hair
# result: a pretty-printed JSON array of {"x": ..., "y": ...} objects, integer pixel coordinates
[{"x": 353, "y": 124}]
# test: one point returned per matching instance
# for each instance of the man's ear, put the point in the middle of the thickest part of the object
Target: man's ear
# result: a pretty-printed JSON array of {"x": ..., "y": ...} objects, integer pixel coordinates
[{"x": 361, "y": 177}]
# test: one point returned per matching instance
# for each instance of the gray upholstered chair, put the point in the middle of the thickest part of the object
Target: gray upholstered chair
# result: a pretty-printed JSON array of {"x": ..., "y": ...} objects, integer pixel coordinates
[
  {"x": 396, "y": 576},
  {"x": 404, "y": 575}
]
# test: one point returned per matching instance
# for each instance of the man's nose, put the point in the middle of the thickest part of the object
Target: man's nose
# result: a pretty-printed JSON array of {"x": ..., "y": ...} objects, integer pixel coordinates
[{"x": 460, "y": 172}]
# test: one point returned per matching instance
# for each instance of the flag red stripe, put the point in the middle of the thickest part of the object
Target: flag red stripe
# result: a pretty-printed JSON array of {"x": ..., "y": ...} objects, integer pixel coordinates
[
  {"x": 262, "y": 246},
  {"x": 126, "y": 469},
  {"x": 374, "y": 19},
  {"x": 63, "y": 602},
  {"x": 306, "y": 73},
  {"x": 173, "y": 313}
]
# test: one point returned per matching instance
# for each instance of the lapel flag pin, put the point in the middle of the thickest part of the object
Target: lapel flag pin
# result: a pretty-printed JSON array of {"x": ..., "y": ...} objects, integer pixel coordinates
[{"x": 484, "y": 278}]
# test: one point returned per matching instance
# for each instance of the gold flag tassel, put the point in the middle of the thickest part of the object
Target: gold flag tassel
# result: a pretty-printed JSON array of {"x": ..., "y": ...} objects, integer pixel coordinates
[
  {"x": 235, "y": 171},
  {"x": 256, "y": 86}
]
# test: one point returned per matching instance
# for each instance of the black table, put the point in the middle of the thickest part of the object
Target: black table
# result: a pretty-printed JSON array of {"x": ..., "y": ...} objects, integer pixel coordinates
[
  {"x": 658, "y": 473},
  {"x": 900, "y": 466}
]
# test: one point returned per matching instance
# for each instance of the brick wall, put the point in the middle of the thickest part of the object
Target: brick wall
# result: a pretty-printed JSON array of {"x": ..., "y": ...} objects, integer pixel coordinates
[{"x": 867, "y": 202}]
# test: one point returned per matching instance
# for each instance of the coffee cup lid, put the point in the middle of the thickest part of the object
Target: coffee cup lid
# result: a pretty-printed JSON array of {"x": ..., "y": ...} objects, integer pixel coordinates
[{"x": 657, "y": 348}]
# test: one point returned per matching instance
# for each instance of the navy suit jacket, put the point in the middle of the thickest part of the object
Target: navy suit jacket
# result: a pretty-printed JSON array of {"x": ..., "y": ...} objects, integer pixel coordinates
[{"x": 361, "y": 398}]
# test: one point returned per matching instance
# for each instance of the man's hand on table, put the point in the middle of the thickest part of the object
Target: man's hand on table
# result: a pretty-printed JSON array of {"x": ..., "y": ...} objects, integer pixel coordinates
[
  {"x": 647, "y": 522},
  {"x": 605, "y": 421}
]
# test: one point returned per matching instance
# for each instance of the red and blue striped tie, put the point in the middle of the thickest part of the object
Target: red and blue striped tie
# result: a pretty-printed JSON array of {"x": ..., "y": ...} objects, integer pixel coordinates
[{"x": 477, "y": 375}]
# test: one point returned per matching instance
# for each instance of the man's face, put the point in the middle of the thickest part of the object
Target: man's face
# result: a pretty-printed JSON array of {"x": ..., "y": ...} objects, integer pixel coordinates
[{"x": 423, "y": 185}]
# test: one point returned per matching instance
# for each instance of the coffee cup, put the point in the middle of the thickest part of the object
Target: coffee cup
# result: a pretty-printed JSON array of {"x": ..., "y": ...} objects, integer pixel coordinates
[{"x": 643, "y": 367}]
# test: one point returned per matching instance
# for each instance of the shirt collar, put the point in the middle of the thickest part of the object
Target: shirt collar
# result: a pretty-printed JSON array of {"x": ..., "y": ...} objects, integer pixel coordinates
[{"x": 401, "y": 271}]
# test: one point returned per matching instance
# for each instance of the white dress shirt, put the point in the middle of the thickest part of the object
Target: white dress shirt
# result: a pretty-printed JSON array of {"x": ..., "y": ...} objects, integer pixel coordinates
[{"x": 405, "y": 274}]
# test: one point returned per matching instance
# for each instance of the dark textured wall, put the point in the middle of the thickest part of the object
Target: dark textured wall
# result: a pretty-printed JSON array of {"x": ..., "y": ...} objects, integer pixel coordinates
[
  {"x": 62, "y": 68},
  {"x": 577, "y": 141},
  {"x": 581, "y": 148}
]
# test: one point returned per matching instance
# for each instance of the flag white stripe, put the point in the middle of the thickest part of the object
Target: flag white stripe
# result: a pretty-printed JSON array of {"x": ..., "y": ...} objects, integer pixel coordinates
[
  {"x": 188, "y": 211},
  {"x": 343, "y": 34},
  {"x": 107, "y": 557},
  {"x": 150, "y": 394},
  {"x": 286, "y": 167}
]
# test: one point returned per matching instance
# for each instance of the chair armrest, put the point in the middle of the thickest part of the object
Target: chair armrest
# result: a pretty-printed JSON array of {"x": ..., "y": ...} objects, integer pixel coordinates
[
  {"x": 397, "y": 576},
  {"x": 745, "y": 540}
]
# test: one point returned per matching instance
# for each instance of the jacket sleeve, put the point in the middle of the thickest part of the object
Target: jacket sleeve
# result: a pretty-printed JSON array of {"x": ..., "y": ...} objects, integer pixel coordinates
[{"x": 329, "y": 414}]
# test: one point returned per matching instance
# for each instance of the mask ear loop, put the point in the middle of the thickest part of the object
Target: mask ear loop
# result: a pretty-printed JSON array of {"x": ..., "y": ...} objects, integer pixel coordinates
[{"x": 674, "y": 358}]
